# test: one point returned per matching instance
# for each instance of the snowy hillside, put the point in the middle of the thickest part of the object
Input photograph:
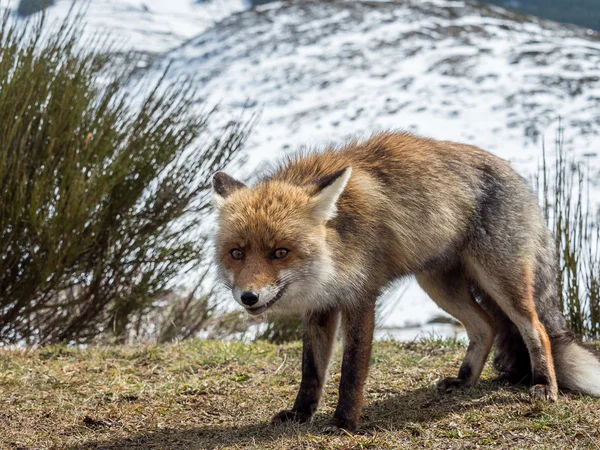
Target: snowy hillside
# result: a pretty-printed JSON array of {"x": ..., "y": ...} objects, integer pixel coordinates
[
  {"x": 322, "y": 71},
  {"x": 151, "y": 26}
]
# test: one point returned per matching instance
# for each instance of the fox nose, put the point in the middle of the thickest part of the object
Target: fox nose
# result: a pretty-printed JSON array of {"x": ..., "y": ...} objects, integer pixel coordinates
[{"x": 249, "y": 298}]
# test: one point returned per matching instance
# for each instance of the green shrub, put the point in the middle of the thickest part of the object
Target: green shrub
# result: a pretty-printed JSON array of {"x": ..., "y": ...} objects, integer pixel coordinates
[
  {"x": 564, "y": 190},
  {"x": 281, "y": 328},
  {"x": 102, "y": 184}
]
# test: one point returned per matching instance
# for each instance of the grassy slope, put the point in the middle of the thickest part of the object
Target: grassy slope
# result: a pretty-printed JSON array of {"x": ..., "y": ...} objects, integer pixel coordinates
[{"x": 220, "y": 395}]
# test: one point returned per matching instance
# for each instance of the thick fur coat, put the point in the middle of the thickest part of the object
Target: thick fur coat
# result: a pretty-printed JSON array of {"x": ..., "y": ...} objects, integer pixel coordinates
[{"x": 326, "y": 232}]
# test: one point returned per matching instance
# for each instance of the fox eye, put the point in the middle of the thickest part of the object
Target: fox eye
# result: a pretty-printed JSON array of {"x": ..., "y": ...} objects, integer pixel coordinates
[
  {"x": 280, "y": 253},
  {"x": 236, "y": 254}
]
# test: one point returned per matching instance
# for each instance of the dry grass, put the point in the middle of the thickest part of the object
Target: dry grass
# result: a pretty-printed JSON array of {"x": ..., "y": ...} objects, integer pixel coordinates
[{"x": 202, "y": 394}]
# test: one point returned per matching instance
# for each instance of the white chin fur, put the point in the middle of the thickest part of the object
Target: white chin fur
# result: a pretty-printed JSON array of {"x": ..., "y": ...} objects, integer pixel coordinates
[{"x": 309, "y": 291}]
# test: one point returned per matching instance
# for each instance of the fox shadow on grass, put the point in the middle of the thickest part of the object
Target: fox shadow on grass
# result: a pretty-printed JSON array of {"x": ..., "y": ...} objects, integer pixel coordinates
[{"x": 420, "y": 406}]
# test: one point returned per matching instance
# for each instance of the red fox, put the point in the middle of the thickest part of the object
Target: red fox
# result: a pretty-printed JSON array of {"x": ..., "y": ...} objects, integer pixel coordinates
[{"x": 324, "y": 233}]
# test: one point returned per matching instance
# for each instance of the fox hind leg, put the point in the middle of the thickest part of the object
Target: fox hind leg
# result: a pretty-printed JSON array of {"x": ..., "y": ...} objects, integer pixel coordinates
[
  {"x": 450, "y": 290},
  {"x": 513, "y": 290}
]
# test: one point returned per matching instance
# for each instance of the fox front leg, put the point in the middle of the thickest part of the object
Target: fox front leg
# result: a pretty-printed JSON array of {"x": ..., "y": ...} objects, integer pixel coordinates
[
  {"x": 317, "y": 339},
  {"x": 358, "y": 327}
]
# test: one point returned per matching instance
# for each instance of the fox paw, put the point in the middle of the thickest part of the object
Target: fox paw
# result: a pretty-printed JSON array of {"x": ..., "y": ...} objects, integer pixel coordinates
[
  {"x": 449, "y": 385},
  {"x": 543, "y": 392},
  {"x": 290, "y": 416},
  {"x": 340, "y": 426}
]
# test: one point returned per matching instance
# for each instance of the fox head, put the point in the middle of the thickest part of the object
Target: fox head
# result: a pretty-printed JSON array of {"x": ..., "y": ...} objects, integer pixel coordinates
[{"x": 271, "y": 243}]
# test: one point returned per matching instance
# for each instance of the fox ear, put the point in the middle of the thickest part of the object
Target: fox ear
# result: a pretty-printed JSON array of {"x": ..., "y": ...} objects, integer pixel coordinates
[
  {"x": 223, "y": 185},
  {"x": 324, "y": 202}
]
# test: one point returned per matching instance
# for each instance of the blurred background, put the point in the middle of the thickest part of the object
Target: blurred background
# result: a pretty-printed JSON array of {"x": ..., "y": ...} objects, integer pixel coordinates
[{"x": 204, "y": 85}]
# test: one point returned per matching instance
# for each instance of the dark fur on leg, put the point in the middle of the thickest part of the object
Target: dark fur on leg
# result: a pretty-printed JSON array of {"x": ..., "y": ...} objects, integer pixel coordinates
[
  {"x": 358, "y": 337},
  {"x": 318, "y": 337},
  {"x": 452, "y": 384},
  {"x": 512, "y": 358}
]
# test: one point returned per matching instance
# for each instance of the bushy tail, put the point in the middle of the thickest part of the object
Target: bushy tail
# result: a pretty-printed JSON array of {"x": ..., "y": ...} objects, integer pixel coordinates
[{"x": 577, "y": 367}]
